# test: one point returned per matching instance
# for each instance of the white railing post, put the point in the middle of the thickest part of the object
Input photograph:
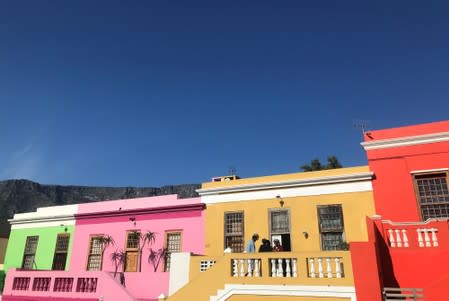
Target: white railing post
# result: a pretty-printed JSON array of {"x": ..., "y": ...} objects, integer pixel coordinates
[
  {"x": 312, "y": 267},
  {"x": 242, "y": 268},
  {"x": 280, "y": 269},
  {"x": 235, "y": 267},
  {"x": 320, "y": 267},
  {"x": 256, "y": 268},
  {"x": 405, "y": 238},
  {"x": 294, "y": 268},
  {"x": 337, "y": 267},
  {"x": 398, "y": 238},
  {"x": 434, "y": 237},
  {"x": 273, "y": 267},
  {"x": 287, "y": 268},
  {"x": 250, "y": 267},
  {"x": 427, "y": 238},
  {"x": 391, "y": 238},
  {"x": 328, "y": 267},
  {"x": 420, "y": 240}
]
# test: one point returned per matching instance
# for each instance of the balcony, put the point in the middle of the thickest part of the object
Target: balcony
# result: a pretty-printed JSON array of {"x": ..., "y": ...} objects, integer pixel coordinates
[
  {"x": 61, "y": 285},
  {"x": 293, "y": 269},
  {"x": 416, "y": 235}
]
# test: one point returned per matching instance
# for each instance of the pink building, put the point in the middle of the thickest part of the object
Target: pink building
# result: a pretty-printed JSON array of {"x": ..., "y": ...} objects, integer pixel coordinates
[{"x": 134, "y": 237}]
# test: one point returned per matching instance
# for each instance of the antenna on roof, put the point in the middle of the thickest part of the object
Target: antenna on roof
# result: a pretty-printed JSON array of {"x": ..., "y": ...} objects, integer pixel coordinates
[
  {"x": 361, "y": 124},
  {"x": 232, "y": 171}
]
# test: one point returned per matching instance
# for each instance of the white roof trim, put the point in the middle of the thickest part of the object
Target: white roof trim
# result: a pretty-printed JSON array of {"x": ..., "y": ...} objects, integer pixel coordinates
[
  {"x": 364, "y": 176},
  {"x": 405, "y": 141},
  {"x": 59, "y": 218},
  {"x": 428, "y": 170}
]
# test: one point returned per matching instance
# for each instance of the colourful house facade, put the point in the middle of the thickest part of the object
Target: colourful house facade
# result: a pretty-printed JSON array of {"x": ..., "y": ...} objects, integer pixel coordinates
[
  {"x": 411, "y": 231},
  {"x": 315, "y": 216},
  {"x": 114, "y": 250}
]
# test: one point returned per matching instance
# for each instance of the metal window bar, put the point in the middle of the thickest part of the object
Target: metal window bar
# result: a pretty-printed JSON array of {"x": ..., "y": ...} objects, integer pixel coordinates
[{"x": 408, "y": 294}]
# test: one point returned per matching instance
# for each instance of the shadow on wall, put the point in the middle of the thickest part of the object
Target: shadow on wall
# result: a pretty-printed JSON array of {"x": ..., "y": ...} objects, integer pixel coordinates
[{"x": 388, "y": 277}]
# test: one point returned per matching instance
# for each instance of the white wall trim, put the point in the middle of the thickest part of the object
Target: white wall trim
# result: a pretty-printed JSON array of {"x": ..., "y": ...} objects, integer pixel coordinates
[
  {"x": 45, "y": 217},
  {"x": 405, "y": 141},
  {"x": 285, "y": 290},
  {"x": 288, "y": 184},
  {"x": 428, "y": 170},
  {"x": 428, "y": 221},
  {"x": 288, "y": 192}
]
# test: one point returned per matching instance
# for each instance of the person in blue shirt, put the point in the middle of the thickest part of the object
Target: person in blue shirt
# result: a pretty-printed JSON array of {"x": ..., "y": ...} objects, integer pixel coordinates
[{"x": 251, "y": 245}]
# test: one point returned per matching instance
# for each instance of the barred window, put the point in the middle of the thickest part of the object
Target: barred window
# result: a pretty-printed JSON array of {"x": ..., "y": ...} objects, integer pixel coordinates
[
  {"x": 94, "y": 260},
  {"x": 30, "y": 252},
  {"x": 233, "y": 231},
  {"x": 433, "y": 195},
  {"x": 61, "y": 249},
  {"x": 172, "y": 245},
  {"x": 280, "y": 221},
  {"x": 331, "y": 227}
]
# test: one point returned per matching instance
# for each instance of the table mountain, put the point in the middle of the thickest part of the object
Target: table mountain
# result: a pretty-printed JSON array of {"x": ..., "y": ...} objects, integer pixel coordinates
[{"x": 17, "y": 196}]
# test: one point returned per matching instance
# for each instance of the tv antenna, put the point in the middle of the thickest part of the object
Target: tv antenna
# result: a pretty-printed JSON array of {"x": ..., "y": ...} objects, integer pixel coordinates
[
  {"x": 232, "y": 170},
  {"x": 362, "y": 125}
]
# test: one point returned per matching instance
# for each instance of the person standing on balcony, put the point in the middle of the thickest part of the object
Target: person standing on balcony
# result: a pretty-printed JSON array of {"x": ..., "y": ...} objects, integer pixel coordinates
[
  {"x": 251, "y": 245},
  {"x": 277, "y": 246},
  {"x": 265, "y": 246}
]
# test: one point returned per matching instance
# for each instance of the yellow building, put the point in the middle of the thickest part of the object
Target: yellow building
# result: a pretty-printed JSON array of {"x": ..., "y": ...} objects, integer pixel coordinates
[{"x": 314, "y": 215}]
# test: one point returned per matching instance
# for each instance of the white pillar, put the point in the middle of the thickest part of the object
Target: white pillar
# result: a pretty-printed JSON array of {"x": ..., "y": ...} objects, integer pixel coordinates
[
  {"x": 242, "y": 268},
  {"x": 235, "y": 267},
  {"x": 420, "y": 240},
  {"x": 391, "y": 238},
  {"x": 250, "y": 267},
  {"x": 427, "y": 238},
  {"x": 256, "y": 268},
  {"x": 287, "y": 268},
  {"x": 280, "y": 269},
  {"x": 337, "y": 267},
  {"x": 405, "y": 238},
  {"x": 328, "y": 267},
  {"x": 273, "y": 268},
  {"x": 320, "y": 267},
  {"x": 294, "y": 268},
  {"x": 312, "y": 267},
  {"x": 434, "y": 237},
  {"x": 398, "y": 238}
]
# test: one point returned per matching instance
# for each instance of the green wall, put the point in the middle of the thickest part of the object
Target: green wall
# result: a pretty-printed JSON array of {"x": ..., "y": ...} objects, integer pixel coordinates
[{"x": 45, "y": 246}]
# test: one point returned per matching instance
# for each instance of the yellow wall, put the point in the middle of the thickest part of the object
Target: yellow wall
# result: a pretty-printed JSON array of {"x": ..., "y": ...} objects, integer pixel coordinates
[
  {"x": 283, "y": 298},
  {"x": 303, "y": 217}
]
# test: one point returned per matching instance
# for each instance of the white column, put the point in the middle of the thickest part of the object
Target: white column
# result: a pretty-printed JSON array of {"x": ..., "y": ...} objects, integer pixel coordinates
[
  {"x": 280, "y": 269},
  {"x": 434, "y": 237},
  {"x": 391, "y": 238},
  {"x": 256, "y": 268},
  {"x": 287, "y": 268},
  {"x": 250, "y": 267},
  {"x": 420, "y": 240},
  {"x": 328, "y": 267},
  {"x": 320, "y": 267},
  {"x": 294, "y": 268},
  {"x": 427, "y": 238},
  {"x": 235, "y": 267},
  {"x": 312, "y": 267},
  {"x": 338, "y": 267},
  {"x": 405, "y": 238},
  {"x": 398, "y": 238},
  {"x": 242, "y": 267},
  {"x": 273, "y": 268}
]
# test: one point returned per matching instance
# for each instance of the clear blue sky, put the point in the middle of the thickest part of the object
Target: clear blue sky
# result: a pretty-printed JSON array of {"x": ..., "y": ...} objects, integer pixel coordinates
[{"x": 149, "y": 93}]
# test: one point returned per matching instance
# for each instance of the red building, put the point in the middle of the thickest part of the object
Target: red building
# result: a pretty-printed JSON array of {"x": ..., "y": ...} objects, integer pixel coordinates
[{"x": 411, "y": 234}]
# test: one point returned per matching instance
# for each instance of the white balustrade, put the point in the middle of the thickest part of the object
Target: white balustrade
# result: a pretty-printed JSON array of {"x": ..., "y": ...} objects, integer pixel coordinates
[
  {"x": 333, "y": 267},
  {"x": 294, "y": 268},
  {"x": 273, "y": 268},
  {"x": 287, "y": 268},
  {"x": 398, "y": 238},
  {"x": 430, "y": 238},
  {"x": 391, "y": 238},
  {"x": 235, "y": 267},
  {"x": 405, "y": 238},
  {"x": 420, "y": 240}
]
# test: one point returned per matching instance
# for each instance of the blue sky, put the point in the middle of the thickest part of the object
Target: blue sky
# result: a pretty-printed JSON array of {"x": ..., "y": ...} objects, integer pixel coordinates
[{"x": 150, "y": 93}]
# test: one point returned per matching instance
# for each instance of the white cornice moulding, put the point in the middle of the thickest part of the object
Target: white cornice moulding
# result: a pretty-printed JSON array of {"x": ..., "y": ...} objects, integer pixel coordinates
[
  {"x": 429, "y": 170},
  {"x": 288, "y": 184},
  {"x": 405, "y": 141},
  {"x": 42, "y": 219}
]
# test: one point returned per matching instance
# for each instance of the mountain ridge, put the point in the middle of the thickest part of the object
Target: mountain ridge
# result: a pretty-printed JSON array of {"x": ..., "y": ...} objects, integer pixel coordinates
[{"x": 21, "y": 195}]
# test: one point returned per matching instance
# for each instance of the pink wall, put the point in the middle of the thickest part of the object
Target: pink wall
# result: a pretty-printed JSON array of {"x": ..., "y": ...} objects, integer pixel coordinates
[{"x": 157, "y": 214}]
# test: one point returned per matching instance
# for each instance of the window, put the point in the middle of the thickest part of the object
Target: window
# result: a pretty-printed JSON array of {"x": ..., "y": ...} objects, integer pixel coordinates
[
  {"x": 61, "y": 249},
  {"x": 172, "y": 245},
  {"x": 433, "y": 195},
  {"x": 280, "y": 227},
  {"x": 94, "y": 260},
  {"x": 331, "y": 227},
  {"x": 233, "y": 231},
  {"x": 30, "y": 252},
  {"x": 132, "y": 251}
]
